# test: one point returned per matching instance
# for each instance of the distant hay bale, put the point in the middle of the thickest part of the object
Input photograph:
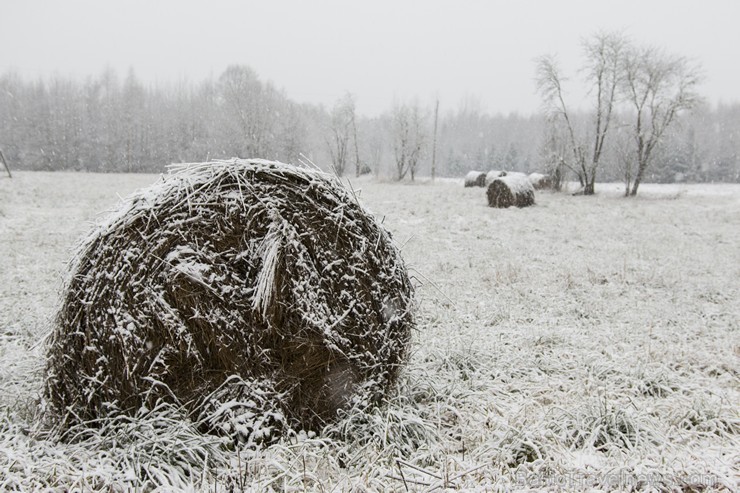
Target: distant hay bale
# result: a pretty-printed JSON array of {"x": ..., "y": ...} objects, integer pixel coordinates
[
  {"x": 475, "y": 179},
  {"x": 540, "y": 181},
  {"x": 509, "y": 190},
  {"x": 492, "y": 175},
  {"x": 257, "y": 295}
]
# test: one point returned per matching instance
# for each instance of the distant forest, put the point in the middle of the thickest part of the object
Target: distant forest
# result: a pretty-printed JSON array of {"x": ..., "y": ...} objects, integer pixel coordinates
[{"x": 109, "y": 123}]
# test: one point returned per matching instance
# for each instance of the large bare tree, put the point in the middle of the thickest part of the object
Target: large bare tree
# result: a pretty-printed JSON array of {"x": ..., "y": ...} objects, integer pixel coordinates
[
  {"x": 658, "y": 86},
  {"x": 602, "y": 52}
]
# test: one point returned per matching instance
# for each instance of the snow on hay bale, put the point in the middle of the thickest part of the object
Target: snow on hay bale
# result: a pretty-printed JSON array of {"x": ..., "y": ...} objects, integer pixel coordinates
[
  {"x": 475, "y": 179},
  {"x": 514, "y": 173},
  {"x": 492, "y": 175},
  {"x": 539, "y": 181},
  {"x": 257, "y": 295},
  {"x": 512, "y": 189}
]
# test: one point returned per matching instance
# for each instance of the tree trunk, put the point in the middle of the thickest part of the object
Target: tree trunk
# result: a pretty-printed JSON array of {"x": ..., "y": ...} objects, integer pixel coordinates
[
  {"x": 5, "y": 163},
  {"x": 627, "y": 178},
  {"x": 401, "y": 168},
  {"x": 434, "y": 141},
  {"x": 357, "y": 150},
  {"x": 582, "y": 179},
  {"x": 638, "y": 179},
  {"x": 635, "y": 185},
  {"x": 557, "y": 180}
]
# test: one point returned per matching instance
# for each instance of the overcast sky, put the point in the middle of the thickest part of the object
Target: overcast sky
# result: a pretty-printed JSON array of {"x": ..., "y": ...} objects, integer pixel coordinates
[{"x": 378, "y": 50}]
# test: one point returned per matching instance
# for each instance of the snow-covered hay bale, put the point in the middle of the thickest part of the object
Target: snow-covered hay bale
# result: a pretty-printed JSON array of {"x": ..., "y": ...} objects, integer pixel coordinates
[
  {"x": 512, "y": 189},
  {"x": 540, "y": 181},
  {"x": 493, "y": 174},
  {"x": 254, "y": 294},
  {"x": 475, "y": 179}
]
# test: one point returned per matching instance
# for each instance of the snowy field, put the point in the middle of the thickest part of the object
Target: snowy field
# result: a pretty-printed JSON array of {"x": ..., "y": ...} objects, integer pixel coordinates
[{"x": 585, "y": 343}]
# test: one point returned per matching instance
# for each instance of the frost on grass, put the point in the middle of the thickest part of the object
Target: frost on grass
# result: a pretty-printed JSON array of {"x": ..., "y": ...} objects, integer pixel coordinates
[
  {"x": 150, "y": 450},
  {"x": 572, "y": 351},
  {"x": 254, "y": 294}
]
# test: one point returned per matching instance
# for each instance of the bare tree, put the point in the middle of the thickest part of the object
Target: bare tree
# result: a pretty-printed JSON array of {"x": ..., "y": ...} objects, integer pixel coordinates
[
  {"x": 375, "y": 143},
  {"x": 291, "y": 132},
  {"x": 133, "y": 100},
  {"x": 341, "y": 126},
  {"x": 408, "y": 138},
  {"x": 622, "y": 153},
  {"x": 658, "y": 86},
  {"x": 359, "y": 167},
  {"x": 246, "y": 104},
  {"x": 602, "y": 56}
]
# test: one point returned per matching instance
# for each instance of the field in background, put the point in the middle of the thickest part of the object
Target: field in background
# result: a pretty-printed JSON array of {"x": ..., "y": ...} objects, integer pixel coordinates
[{"x": 585, "y": 342}]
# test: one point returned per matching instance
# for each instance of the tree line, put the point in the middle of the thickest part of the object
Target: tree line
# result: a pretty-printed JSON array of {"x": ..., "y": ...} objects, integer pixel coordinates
[{"x": 106, "y": 123}]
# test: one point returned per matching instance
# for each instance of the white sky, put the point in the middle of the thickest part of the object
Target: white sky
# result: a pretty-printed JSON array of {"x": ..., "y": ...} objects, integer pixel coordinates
[{"x": 377, "y": 49}]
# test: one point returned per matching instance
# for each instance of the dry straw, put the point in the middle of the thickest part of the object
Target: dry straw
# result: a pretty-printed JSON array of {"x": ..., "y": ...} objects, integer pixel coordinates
[{"x": 257, "y": 295}]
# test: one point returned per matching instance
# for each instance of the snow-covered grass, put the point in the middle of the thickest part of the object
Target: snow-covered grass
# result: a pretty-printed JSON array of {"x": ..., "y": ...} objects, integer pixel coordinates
[{"x": 585, "y": 343}]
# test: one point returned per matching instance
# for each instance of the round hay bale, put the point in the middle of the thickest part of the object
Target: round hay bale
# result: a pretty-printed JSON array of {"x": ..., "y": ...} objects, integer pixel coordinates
[
  {"x": 257, "y": 295},
  {"x": 475, "y": 179},
  {"x": 540, "y": 181},
  {"x": 512, "y": 189}
]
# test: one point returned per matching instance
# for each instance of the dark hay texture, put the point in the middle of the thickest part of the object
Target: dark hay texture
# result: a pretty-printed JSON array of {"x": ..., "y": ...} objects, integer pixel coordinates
[
  {"x": 510, "y": 190},
  {"x": 475, "y": 179},
  {"x": 257, "y": 295}
]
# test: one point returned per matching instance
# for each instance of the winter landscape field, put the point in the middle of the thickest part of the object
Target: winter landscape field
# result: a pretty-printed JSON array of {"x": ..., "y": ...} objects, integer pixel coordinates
[{"x": 582, "y": 344}]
